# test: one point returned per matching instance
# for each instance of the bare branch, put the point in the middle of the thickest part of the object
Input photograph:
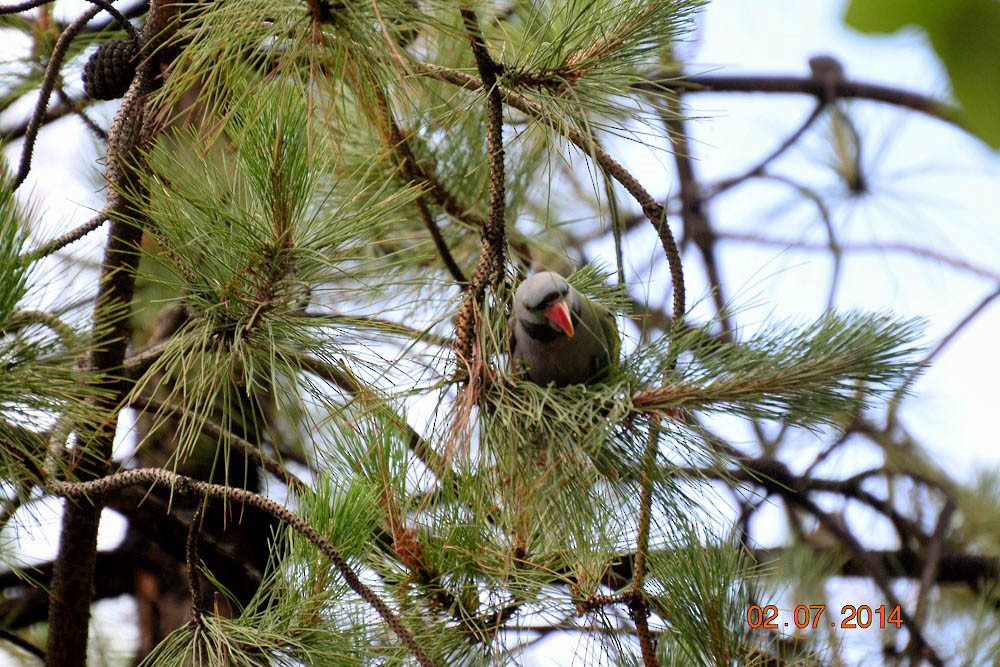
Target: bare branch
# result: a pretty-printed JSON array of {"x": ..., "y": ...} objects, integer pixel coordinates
[{"x": 717, "y": 83}]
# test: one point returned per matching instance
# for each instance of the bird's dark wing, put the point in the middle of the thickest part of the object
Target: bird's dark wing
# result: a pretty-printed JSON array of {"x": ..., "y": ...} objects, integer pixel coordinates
[{"x": 609, "y": 325}]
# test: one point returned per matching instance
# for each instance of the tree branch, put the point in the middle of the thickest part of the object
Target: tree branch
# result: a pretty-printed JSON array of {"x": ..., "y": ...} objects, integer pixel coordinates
[
  {"x": 61, "y": 242},
  {"x": 781, "y": 481},
  {"x": 73, "y": 574},
  {"x": 411, "y": 171},
  {"x": 697, "y": 226},
  {"x": 48, "y": 83},
  {"x": 873, "y": 247},
  {"x": 758, "y": 168},
  {"x": 96, "y": 490},
  {"x": 973, "y": 570},
  {"x": 717, "y": 83},
  {"x": 21, "y": 643},
  {"x": 652, "y": 209},
  {"x": 490, "y": 266}
]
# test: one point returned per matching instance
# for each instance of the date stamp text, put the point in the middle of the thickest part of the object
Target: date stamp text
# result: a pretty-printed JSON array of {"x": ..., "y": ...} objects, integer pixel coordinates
[{"x": 769, "y": 617}]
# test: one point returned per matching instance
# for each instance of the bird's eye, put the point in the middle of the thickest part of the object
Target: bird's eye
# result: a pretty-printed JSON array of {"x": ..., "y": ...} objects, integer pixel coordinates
[{"x": 548, "y": 300}]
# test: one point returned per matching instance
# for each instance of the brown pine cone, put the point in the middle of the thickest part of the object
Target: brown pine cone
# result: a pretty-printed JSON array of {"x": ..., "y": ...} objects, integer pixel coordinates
[{"x": 108, "y": 73}]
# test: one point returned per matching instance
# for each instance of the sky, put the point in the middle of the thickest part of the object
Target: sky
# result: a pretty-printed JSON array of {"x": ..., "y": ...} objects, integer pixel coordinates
[{"x": 933, "y": 185}]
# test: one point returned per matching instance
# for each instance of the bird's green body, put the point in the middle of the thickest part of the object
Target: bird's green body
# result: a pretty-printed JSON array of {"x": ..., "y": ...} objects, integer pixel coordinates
[{"x": 550, "y": 350}]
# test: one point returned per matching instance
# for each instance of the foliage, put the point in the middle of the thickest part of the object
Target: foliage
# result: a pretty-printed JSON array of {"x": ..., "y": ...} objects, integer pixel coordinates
[
  {"x": 963, "y": 34},
  {"x": 334, "y": 480}
]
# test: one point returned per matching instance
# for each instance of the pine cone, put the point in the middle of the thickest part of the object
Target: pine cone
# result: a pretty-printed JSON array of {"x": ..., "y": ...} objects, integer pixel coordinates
[{"x": 108, "y": 73}]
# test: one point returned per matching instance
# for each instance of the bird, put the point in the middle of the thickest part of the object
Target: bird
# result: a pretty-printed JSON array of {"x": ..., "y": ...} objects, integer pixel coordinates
[{"x": 559, "y": 336}]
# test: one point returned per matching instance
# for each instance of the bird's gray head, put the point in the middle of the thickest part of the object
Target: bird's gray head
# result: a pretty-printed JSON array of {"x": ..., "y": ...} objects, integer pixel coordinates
[{"x": 545, "y": 301}]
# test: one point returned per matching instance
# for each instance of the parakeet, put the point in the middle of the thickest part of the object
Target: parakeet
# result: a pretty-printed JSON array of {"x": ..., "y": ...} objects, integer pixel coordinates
[{"x": 560, "y": 336}]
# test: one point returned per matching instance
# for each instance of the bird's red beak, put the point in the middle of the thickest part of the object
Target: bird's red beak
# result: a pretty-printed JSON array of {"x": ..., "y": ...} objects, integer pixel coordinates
[{"x": 558, "y": 314}]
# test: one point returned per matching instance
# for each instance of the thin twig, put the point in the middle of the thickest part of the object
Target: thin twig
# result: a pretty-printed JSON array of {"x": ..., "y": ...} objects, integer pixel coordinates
[
  {"x": 22, "y": 643},
  {"x": 78, "y": 111},
  {"x": 409, "y": 168},
  {"x": 827, "y": 452},
  {"x": 22, "y": 7},
  {"x": 697, "y": 226},
  {"x": 441, "y": 194},
  {"x": 826, "y": 71},
  {"x": 48, "y": 83},
  {"x": 638, "y": 607},
  {"x": 833, "y": 244},
  {"x": 450, "y": 203},
  {"x": 442, "y": 246},
  {"x": 52, "y": 114},
  {"x": 727, "y": 183},
  {"x": 199, "y": 606},
  {"x": 412, "y": 171},
  {"x": 904, "y": 388},
  {"x": 62, "y": 241},
  {"x": 96, "y": 490},
  {"x": 932, "y": 560},
  {"x": 347, "y": 381},
  {"x": 880, "y": 247},
  {"x": 116, "y": 15},
  {"x": 123, "y": 22},
  {"x": 131, "y": 12},
  {"x": 212, "y": 429},
  {"x": 20, "y": 319}
]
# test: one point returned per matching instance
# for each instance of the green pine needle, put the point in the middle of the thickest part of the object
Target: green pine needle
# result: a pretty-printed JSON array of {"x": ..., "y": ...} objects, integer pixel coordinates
[{"x": 822, "y": 373}]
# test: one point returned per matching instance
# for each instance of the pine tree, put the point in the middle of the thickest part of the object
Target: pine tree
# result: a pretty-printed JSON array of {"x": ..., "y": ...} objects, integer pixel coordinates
[{"x": 317, "y": 214}]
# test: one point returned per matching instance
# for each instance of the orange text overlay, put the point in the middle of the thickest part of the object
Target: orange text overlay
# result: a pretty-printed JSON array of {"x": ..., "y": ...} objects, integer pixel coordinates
[{"x": 769, "y": 617}]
